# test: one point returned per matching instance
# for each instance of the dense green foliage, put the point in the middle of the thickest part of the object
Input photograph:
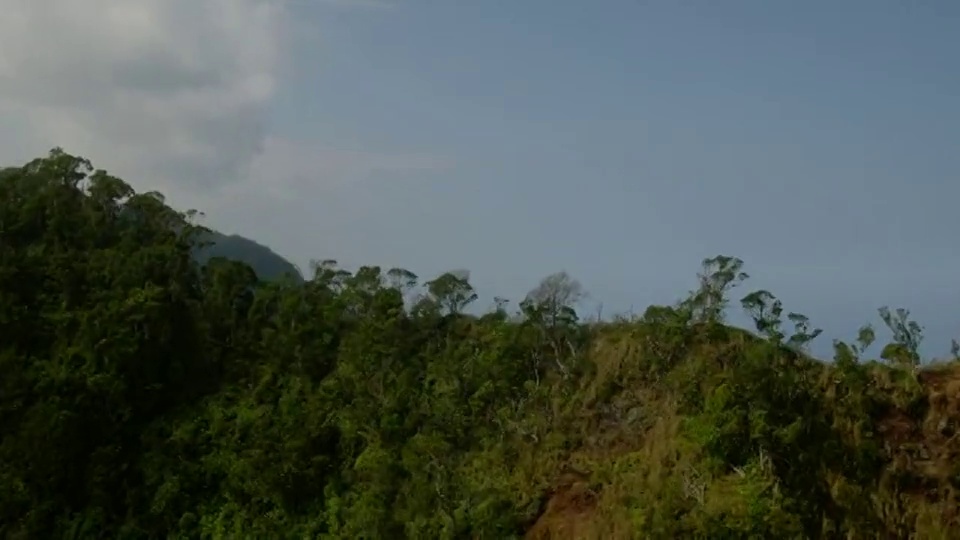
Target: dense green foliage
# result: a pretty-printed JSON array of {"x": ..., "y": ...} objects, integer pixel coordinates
[{"x": 145, "y": 395}]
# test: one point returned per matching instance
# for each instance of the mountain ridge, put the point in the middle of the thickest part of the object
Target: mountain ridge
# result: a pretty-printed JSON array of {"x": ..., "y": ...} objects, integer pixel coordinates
[{"x": 266, "y": 263}]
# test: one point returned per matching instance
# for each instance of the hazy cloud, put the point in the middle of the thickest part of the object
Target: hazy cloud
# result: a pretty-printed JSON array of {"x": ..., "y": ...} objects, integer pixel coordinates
[
  {"x": 171, "y": 94},
  {"x": 171, "y": 89},
  {"x": 370, "y": 4},
  {"x": 305, "y": 165}
]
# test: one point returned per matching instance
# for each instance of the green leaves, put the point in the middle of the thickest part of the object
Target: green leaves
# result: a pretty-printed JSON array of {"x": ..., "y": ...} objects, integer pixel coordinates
[
  {"x": 718, "y": 276},
  {"x": 451, "y": 292},
  {"x": 765, "y": 310},
  {"x": 907, "y": 336},
  {"x": 105, "y": 345}
]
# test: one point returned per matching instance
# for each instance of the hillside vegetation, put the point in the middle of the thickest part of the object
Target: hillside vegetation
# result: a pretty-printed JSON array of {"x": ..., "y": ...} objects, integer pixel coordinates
[{"x": 144, "y": 395}]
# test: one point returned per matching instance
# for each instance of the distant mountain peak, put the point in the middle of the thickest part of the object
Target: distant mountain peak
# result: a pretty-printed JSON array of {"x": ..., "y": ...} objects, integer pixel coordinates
[{"x": 268, "y": 265}]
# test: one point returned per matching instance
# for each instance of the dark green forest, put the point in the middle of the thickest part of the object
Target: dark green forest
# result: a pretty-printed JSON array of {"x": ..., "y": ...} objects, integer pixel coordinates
[{"x": 147, "y": 393}]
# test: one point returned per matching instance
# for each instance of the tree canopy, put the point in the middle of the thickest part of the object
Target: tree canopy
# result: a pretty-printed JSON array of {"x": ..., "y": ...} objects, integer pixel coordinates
[{"x": 150, "y": 393}]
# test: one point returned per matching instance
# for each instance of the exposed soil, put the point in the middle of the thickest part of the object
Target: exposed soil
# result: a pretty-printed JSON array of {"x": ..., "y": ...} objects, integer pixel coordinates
[{"x": 568, "y": 509}]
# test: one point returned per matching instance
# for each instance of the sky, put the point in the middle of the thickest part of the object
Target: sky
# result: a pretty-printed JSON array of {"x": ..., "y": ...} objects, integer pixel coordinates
[{"x": 620, "y": 141}]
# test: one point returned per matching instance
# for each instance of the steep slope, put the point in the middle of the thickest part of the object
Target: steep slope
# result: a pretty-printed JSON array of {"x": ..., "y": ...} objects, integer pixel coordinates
[{"x": 716, "y": 446}]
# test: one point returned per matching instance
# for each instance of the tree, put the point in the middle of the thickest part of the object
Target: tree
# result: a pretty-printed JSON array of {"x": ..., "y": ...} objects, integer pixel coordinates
[
  {"x": 907, "y": 336},
  {"x": 402, "y": 279},
  {"x": 452, "y": 291},
  {"x": 549, "y": 309},
  {"x": 554, "y": 299},
  {"x": 765, "y": 309},
  {"x": 717, "y": 277}
]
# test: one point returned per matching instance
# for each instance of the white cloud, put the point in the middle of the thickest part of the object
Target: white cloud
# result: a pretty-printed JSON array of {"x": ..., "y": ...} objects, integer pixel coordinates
[
  {"x": 173, "y": 95},
  {"x": 166, "y": 90}
]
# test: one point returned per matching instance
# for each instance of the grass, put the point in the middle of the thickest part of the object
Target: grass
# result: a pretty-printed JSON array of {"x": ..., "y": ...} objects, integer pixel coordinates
[{"x": 642, "y": 470}]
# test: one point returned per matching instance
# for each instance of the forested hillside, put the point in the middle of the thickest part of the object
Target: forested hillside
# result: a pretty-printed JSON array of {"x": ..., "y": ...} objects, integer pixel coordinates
[{"x": 147, "y": 395}]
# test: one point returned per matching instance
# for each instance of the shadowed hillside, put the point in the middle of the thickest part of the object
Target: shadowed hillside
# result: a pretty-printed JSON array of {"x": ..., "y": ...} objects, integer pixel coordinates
[
  {"x": 268, "y": 265},
  {"x": 147, "y": 396}
]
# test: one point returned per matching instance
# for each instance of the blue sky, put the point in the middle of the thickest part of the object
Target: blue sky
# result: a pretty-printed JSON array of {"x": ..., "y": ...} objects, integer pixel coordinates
[
  {"x": 624, "y": 141},
  {"x": 621, "y": 141}
]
